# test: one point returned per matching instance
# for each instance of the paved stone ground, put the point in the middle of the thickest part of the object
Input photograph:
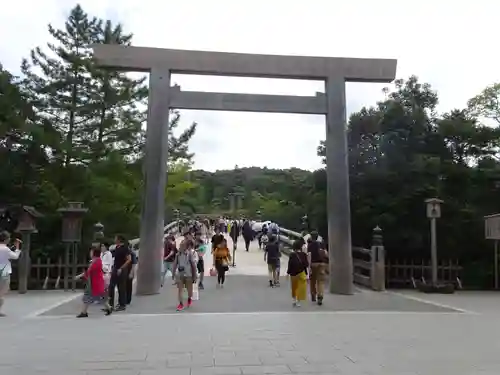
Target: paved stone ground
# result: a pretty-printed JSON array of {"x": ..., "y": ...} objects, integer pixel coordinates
[
  {"x": 246, "y": 290},
  {"x": 418, "y": 340}
]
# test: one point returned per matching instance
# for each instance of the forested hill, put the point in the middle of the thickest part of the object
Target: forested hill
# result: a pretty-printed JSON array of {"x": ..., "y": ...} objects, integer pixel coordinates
[{"x": 267, "y": 190}]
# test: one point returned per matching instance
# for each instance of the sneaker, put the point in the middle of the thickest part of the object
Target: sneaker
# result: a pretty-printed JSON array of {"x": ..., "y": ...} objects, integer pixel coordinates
[
  {"x": 271, "y": 284},
  {"x": 320, "y": 300},
  {"x": 294, "y": 303},
  {"x": 313, "y": 298},
  {"x": 190, "y": 302},
  {"x": 200, "y": 286},
  {"x": 83, "y": 315},
  {"x": 120, "y": 308},
  {"x": 297, "y": 304},
  {"x": 180, "y": 307},
  {"x": 276, "y": 283},
  {"x": 2, "y": 315},
  {"x": 222, "y": 286}
]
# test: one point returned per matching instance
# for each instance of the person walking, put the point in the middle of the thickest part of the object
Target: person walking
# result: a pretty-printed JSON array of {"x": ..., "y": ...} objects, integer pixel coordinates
[
  {"x": 199, "y": 245},
  {"x": 221, "y": 259},
  {"x": 95, "y": 287},
  {"x": 234, "y": 232},
  {"x": 318, "y": 257},
  {"x": 272, "y": 255},
  {"x": 217, "y": 238},
  {"x": 184, "y": 272},
  {"x": 132, "y": 268},
  {"x": 119, "y": 274},
  {"x": 107, "y": 263},
  {"x": 169, "y": 253},
  {"x": 6, "y": 255},
  {"x": 298, "y": 264},
  {"x": 247, "y": 232}
]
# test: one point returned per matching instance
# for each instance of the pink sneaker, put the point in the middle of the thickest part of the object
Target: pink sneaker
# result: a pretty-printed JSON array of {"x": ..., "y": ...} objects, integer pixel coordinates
[
  {"x": 180, "y": 307},
  {"x": 190, "y": 302}
]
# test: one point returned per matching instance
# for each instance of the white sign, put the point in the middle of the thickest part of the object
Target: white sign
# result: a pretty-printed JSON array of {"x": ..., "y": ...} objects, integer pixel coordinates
[
  {"x": 492, "y": 227},
  {"x": 433, "y": 210}
]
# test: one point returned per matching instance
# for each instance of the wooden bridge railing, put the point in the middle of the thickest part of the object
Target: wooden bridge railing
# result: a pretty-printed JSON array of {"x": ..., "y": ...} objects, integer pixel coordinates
[{"x": 368, "y": 264}]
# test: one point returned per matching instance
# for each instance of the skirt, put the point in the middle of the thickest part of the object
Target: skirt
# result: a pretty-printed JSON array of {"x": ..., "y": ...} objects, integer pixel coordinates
[
  {"x": 299, "y": 286},
  {"x": 88, "y": 298}
]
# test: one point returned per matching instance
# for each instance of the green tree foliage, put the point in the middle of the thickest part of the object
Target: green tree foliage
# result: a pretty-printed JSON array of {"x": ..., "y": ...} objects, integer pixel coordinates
[
  {"x": 70, "y": 131},
  {"x": 401, "y": 152}
]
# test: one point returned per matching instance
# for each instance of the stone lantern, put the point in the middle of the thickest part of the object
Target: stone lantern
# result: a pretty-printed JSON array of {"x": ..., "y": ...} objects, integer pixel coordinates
[
  {"x": 98, "y": 235},
  {"x": 26, "y": 217},
  {"x": 72, "y": 217}
]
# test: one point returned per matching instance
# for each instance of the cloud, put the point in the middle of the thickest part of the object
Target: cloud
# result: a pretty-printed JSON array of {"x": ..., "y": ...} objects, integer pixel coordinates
[{"x": 451, "y": 45}]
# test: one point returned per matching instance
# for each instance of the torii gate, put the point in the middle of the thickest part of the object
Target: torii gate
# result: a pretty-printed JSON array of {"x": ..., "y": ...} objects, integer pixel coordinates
[{"x": 161, "y": 63}]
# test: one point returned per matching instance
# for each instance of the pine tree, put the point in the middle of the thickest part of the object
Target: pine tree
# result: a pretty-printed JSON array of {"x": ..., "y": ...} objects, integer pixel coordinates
[
  {"x": 118, "y": 105},
  {"x": 24, "y": 144},
  {"x": 178, "y": 147},
  {"x": 59, "y": 82}
]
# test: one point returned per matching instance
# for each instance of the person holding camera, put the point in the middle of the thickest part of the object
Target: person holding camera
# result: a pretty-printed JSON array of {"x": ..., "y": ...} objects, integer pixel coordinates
[
  {"x": 6, "y": 255},
  {"x": 184, "y": 272}
]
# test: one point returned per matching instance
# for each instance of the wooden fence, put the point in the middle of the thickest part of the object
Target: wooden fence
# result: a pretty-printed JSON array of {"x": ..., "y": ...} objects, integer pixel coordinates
[
  {"x": 50, "y": 274},
  {"x": 404, "y": 273}
]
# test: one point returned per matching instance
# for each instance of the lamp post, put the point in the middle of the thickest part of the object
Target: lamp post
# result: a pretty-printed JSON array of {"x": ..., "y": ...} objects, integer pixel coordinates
[
  {"x": 433, "y": 206},
  {"x": 26, "y": 226},
  {"x": 71, "y": 235},
  {"x": 235, "y": 202}
]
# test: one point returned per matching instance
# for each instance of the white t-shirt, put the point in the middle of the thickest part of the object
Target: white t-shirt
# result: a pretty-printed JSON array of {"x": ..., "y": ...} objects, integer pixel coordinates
[
  {"x": 107, "y": 261},
  {"x": 273, "y": 226},
  {"x": 6, "y": 255}
]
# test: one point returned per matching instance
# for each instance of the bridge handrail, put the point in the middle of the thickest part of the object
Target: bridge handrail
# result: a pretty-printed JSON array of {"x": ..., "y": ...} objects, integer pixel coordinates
[
  {"x": 368, "y": 264},
  {"x": 170, "y": 228}
]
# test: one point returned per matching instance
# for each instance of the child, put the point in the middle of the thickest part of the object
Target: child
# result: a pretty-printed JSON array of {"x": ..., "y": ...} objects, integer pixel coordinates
[
  {"x": 95, "y": 289},
  {"x": 184, "y": 272}
]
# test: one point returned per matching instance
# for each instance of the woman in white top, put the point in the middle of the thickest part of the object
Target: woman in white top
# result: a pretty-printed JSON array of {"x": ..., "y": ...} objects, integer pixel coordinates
[
  {"x": 107, "y": 263},
  {"x": 6, "y": 255}
]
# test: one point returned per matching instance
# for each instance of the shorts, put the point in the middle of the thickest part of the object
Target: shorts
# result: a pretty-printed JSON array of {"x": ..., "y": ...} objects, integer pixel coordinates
[
  {"x": 4, "y": 285},
  {"x": 184, "y": 281},
  {"x": 200, "y": 266},
  {"x": 271, "y": 267}
]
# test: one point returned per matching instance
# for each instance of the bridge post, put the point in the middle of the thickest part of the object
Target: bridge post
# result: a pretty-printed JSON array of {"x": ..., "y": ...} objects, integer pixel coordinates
[
  {"x": 155, "y": 181},
  {"x": 338, "y": 201},
  {"x": 377, "y": 274}
]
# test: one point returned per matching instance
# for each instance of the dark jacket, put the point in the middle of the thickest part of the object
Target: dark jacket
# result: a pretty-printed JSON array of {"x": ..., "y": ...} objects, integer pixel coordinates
[
  {"x": 235, "y": 230},
  {"x": 247, "y": 230}
]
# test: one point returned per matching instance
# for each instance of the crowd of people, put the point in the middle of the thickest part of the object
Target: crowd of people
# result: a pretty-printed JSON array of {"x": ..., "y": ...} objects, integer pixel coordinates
[
  {"x": 307, "y": 262},
  {"x": 113, "y": 267}
]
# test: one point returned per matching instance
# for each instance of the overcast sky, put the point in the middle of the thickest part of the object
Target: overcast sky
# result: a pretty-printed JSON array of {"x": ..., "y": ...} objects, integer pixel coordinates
[{"x": 450, "y": 44}]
